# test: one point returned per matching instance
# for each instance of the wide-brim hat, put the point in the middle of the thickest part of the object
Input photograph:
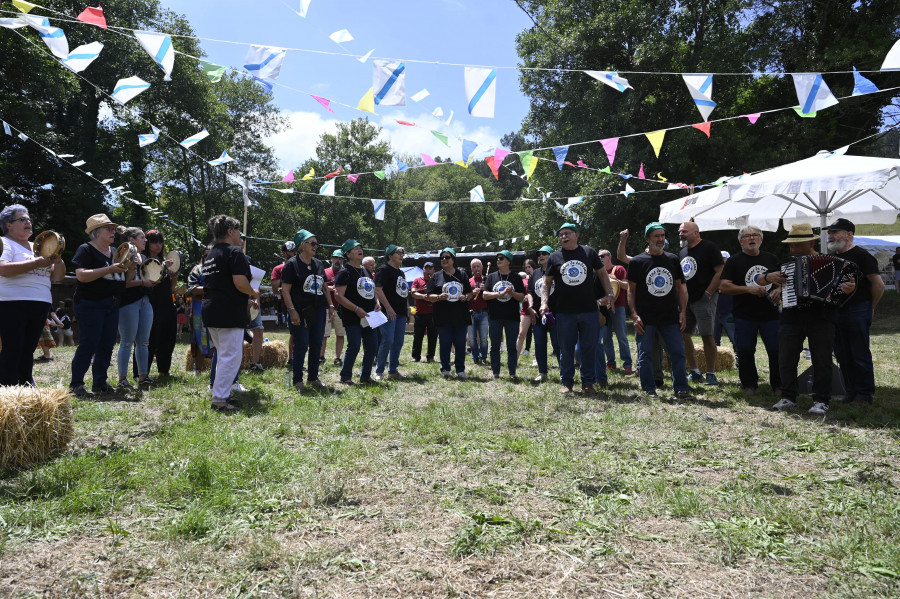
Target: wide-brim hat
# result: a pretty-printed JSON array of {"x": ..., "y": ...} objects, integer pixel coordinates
[
  {"x": 450, "y": 251},
  {"x": 547, "y": 249},
  {"x": 506, "y": 254},
  {"x": 390, "y": 250},
  {"x": 301, "y": 236},
  {"x": 97, "y": 221},
  {"x": 338, "y": 254},
  {"x": 800, "y": 233},
  {"x": 348, "y": 245}
]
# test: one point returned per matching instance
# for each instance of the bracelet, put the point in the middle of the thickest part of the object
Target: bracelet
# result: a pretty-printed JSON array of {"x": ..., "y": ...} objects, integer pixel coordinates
[{"x": 292, "y": 309}]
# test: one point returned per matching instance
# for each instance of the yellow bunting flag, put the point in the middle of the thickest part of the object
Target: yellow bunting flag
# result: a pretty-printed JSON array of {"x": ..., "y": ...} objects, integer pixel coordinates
[
  {"x": 309, "y": 175},
  {"x": 529, "y": 162},
  {"x": 464, "y": 164},
  {"x": 23, "y": 6},
  {"x": 367, "y": 102},
  {"x": 656, "y": 139},
  {"x": 661, "y": 178}
]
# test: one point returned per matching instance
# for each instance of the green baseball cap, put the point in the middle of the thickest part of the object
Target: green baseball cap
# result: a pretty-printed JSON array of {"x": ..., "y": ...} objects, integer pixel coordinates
[
  {"x": 390, "y": 250},
  {"x": 349, "y": 245},
  {"x": 506, "y": 254},
  {"x": 654, "y": 226},
  {"x": 301, "y": 236},
  {"x": 547, "y": 249},
  {"x": 572, "y": 226},
  {"x": 337, "y": 254},
  {"x": 450, "y": 251}
]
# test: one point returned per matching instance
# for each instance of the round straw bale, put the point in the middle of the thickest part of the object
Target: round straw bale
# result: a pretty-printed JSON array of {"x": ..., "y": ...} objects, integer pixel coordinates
[{"x": 35, "y": 424}]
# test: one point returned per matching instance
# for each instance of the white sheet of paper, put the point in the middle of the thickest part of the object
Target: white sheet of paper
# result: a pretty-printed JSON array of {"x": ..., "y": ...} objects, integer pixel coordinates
[
  {"x": 376, "y": 318},
  {"x": 257, "y": 274}
]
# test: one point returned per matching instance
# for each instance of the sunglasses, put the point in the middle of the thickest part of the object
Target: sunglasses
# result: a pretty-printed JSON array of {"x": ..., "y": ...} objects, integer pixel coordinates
[
  {"x": 604, "y": 255},
  {"x": 446, "y": 257},
  {"x": 314, "y": 244},
  {"x": 543, "y": 254},
  {"x": 499, "y": 258}
]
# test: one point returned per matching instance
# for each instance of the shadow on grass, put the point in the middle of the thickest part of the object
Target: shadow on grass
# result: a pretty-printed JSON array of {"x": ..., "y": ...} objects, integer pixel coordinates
[{"x": 884, "y": 413}]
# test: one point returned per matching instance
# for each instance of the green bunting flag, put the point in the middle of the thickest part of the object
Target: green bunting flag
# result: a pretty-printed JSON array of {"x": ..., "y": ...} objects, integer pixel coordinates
[
  {"x": 443, "y": 137},
  {"x": 529, "y": 162},
  {"x": 379, "y": 174},
  {"x": 213, "y": 71},
  {"x": 806, "y": 115}
]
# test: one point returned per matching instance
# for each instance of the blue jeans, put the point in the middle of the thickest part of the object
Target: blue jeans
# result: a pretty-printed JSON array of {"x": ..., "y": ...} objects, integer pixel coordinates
[
  {"x": 541, "y": 332},
  {"x": 359, "y": 336},
  {"x": 618, "y": 325},
  {"x": 456, "y": 337},
  {"x": 98, "y": 321},
  {"x": 674, "y": 342},
  {"x": 308, "y": 338},
  {"x": 511, "y": 328},
  {"x": 851, "y": 348},
  {"x": 135, "y": 322},
  {"x": 603, "y": 354},
  {"x": 745, "y": 332},
  {"x": 721, "y": 325},
  {"x": 571, "y": 328},
  {"x": 393, "y": 333},
  {"x": 480, "y": 326}
]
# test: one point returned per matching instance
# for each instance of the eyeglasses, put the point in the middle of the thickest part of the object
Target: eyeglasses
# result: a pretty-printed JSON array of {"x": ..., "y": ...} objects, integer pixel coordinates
[
  {"x": 314, "y": 244},
  {"x": 23, "y": 219},
  {"x": 604, "y": 255},
  {"x": 750, "y": 235},
  {"x": 499, "y": 258},
  {"x": 543, "y": 254},
  {"x": 446, "y": 257}
]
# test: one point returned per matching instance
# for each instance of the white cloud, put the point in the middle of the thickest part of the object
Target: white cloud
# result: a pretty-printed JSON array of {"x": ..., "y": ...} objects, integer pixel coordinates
[{"x": 299, "y": 139}]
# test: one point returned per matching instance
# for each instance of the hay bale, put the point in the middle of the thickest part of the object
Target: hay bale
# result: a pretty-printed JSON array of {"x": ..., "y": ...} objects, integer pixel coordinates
[
  {"x": 724, "y": 359},
  {"x": 35, "y": 424},
  {"x": 189, "y": 362},
  {"x": 274, "y": 355}
]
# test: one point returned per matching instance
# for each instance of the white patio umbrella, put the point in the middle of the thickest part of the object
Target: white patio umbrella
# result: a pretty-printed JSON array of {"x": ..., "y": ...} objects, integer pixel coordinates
[{"x": 815, "y": 190}]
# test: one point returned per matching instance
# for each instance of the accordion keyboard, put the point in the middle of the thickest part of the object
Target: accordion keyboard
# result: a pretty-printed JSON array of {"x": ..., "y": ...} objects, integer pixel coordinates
[{"x": 789, "y": 291}]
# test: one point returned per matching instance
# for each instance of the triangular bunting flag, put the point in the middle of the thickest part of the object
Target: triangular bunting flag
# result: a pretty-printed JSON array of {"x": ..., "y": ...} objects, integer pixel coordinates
[
  {"x": 13, "y": 23},
  {"x": 628, "y": 190},
  {"x": 304, "y": 8},
  {"x": 429, "y": 161},
  {"x": 405, "y": 123},
  {"x": 380, "y": 174},
  {"x": 311, "y": 174},
  {"x": 606, "y": 170},
  {"x": 159, "y": 47},
  {"x": 334, "y": 173},
  {"x": 656, "y": 140},
  {"x": 352, "y": 178},
  {"x": 420, "y": 95},
  {"x": 145, "y": 139},
  {"x": 213, "y": 71},
  {"x": 813, "y": 92},
  {"x": 54, "y": 37},
  {"x": 806, "y": 115},
  {"x": 365, "y": 56},
  {"x": 126, "y": 89},
  {"x": 641, "y": 172},
  {"x": 23, "y": 6},
  {"x": 437, "y": 112},
  {"x": 367, "y": 102},
  {"x": 481, "y": 91},
  {"x": 500, "y": 155},
  {"x": 6, "y": 128},
  {"x": 432, "y": 209},
  {"x": 468, "y": 146},
  {"x": 288, "y": 178},
  {"x": 611, "y": 79},
  {"x": 197, "y": 137},
  {"x": 700, "y": 87},
  {"x": 494, "y": 169},
  {"x": 339, "y": 37},
  {"x": 264, "y": 63},
  {"x": 81, "y": 57},
  {"x": 529, "y": 162},
  {"x": 93, "y": 16},
  {"x": 753, "y": 117},
  {"x": 861, "y": 85},
  {"x": 223, "y": 159},
  {"x": 560, "y": 152},
  {"x": 326, "y": 103},
  {"x": 389, "y": 82},
  {"x": 892, "y": 60},
  {"x": 660, "y": 177},
  {"x": 379, "y": 205},
  {"x": 476, "y": 194},
  {"x": 327, "y": 189},
  {"x": 703, "y": 127},
  {"x": 609, "y": 146},
  {"x": 401, "y": 166},
  {"x": 442, "y": 137}
]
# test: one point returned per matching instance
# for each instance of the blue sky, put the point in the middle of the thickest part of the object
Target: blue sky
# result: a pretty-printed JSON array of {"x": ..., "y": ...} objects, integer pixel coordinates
[{"x": 452, "y": 31}]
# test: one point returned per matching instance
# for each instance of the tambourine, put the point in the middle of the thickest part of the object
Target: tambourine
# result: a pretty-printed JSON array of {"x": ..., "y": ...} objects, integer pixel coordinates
[
  {"x": 152, "y": 270},
  {"x": 177, "y": 259},
  {"x": 616, "y": 286},
  {"x": 125, "y": 255},
  {"x": 254, "y": 312},
  {"x": 49, "y": 244}
]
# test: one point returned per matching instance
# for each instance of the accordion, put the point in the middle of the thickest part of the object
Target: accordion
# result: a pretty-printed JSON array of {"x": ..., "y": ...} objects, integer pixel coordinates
[{"x": 817, "y": 278}]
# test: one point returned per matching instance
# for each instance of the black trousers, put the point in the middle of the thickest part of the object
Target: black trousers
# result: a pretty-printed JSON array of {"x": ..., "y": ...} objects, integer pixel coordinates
[
  {"x": 163, "y": 336},
  {"x": 21, "y": 323},
  {"x": 819, "y": 334},
  {"x": 424, "y": 324}
]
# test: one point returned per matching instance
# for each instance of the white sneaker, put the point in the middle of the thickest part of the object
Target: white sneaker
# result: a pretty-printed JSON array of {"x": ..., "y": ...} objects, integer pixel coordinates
[
  {"x": 378, "y": 377},
  {"x": 819, "y": 409},
  {"x": 784, "y": 404},
  {"x": 534, "y": 363},
  {"x": 525, "y": 352},
  {"x": 238, "y": 388},
  {"x": 445, "y": 374},
  {"x": 461, "y": 375},
  {"x": 209, "y": 390}
]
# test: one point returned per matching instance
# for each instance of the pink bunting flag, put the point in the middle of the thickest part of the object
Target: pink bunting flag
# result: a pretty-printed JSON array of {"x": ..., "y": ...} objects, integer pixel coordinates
[
  {"x": 582, "y": 165},
  {"x": 752, "y": 117},
  {"x": 702, "y": 127},
  {"x": 609, "y": 146},
  {"x": 407, "y": 123},
  {"x": 325, "y": 102},
  {"x": 500, "y": 155},
  {"x": 490, "y": 161},
  {"x": 288, "y": 178},
  {"x": 641, "y": 172},
  {"x": 93, "y": 16},
  {"x": 429, "y": 161},
  {"x": 352, "y": 178}
]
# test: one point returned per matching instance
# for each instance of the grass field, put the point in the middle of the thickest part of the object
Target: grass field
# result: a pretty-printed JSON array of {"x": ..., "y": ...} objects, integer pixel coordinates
[{"x": 432, "y": 487}]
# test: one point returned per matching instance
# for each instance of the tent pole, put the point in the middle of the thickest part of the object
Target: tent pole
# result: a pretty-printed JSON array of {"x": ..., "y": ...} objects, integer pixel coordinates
[{"x": 823, "y": 215}]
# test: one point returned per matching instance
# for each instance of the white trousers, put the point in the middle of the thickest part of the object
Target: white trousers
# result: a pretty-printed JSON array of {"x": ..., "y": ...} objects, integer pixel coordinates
[{"x": 229, "y": 344}]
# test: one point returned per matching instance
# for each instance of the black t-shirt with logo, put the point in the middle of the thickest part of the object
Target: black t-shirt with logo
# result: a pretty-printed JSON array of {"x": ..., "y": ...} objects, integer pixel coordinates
[
  {"x": 573, "y": 273},
  {"x": 451, "y": 312},
  {"x": 307, "y": 282},
  {"x": 110, "y": 285},
  {"x": 742, "y": 270},
  {"x": 698, "y": 265},
  {"x": 223, "y": 305},
  {"x": 869, "y": 266},
  {"x": 504, "y": 307},
  {"x": 360, "y": 291},
  {"x": 393, "y": 283},
  {"x": 656, "y": 299},
  {"x": 535, "y": 285}
]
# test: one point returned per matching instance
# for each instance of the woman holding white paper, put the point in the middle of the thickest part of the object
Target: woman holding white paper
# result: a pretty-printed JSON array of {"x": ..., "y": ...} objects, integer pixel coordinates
[{"x": 355, "y": 292}]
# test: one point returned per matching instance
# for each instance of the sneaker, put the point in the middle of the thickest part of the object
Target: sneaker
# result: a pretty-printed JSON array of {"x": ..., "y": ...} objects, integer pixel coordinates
[
  {"x": 565, "y": 389},
  {"x": 395, "y": 375},
  {"x": 629, "y": 372},
  {"x": 299, "y": 387},
  {"x": 588, "y": 389},
  {"x": 348, "y": 382},
  {"x": 461, "y": 374},
  {"x": 367, "y": 380},
  {"x": 711, "y": 379},
  {"x": 417, "y": 360},
  {"x": 321, "y": 361},
  {"x": 496, "y": 376},
  {"x": 818, "y": 409},
  {"x": 103, "y": 388},
  {"x": 650, "y": 393},
  {"x": 316, "y": 384},
  {"x": 257, "y": 367},
  {"x": 541, "y": 378},
  {"x": 534, "y": 362},
  {"x": 44, "y": 359},
  {"x": 148, "y": 381},
  {"x": 695, "y": 376},
  {"x": 80, "y": 391},
  {"x": 610, "y": 366},
  {"x": 337, "y": 362},
  {"x": 525, "y": 352},
  {"x": 445, "y": 374},
  {"x": 683, "y": 395},
  {"x": 238, "y": 388},
  {"x": 125, "y": 385},
  {"x": 378, "y": 377},
  {"x": 784, "y": 404},
  {"x": 429, "y": 360}
]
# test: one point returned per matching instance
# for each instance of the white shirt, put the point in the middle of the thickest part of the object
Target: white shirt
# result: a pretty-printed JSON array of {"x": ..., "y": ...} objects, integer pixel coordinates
[{"x": 33, "y": 285}]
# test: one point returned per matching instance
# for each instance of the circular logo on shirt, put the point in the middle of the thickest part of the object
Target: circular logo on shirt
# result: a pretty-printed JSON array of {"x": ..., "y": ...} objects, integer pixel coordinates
[
  {"x": 500, "y": 286},
  {"x": 365, "y": 287},
  {"x": 402, "y": 287},
  {"x": 574, "y": 272},
  {"x": 313, "y": 285},
  {"x": 753, "y": 272},
  {"x": 659, "y": 281},
  {"x": 453, "y": 289},
  {"x": 539, "y": 286},
  {"x": 689, "y": 267}
]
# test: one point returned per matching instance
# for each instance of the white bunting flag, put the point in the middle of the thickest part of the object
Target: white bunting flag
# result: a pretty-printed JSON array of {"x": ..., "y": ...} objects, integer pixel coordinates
[
  {"x": 193, "y": 139},
  {"x": 438, "y": 112},
  {"x": 611, "y": 79},
  {"x": 389, "y": 82},
  {"x": 13, "y": 23},
  {"x": 450, "y": 118},
  {"x": 145, "y": 139},
  {"x": 223, "y": 159},
  {"x": 366, "y": 56},
  {"x": 701, "y": 87},
  {"x": 481, "y": 91},
  {"x": 378, "y": 205},
  {"x": 54, "y": 37},
  {"x": 628, "y": 190},
  {"x": 813, "y": 92},
  {"x": 105, "y": 181},
  {"x": 476, "y": 194},
  {"x": 126, "y": 89},
  {"x": 264, "y": 63},
  {"x": 341, "y": 36},
  {"x": 159, "y": 47},
  {"x": 81, "y": 57},
  {"x": 892, "y": 60},
  {"x": 304, "y": 8},
  {"x": 421, "y": 95},
  {"x": 79, "y": 163},
  {"x": 245, "y": 188},
  {"x": 572, "y": 201},
  {"x": 65, "y": 155},
  {"x": 6, "y": 129},
  {"x": 24, "y": 137},
  {"x": 327, "y": 189},
  {"x": 432, "y": 210}
]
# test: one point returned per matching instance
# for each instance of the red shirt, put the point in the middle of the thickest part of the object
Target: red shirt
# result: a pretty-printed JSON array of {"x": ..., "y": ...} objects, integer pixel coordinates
[
  {"x": 329, "y": 277},
  {"x": 524, "y": 311},
  {"x": 480, "y": 303},
  {"x": 276, "y": 276},
  {"x": 619, "y": 273},
  {"x": 422, "y": 306}
]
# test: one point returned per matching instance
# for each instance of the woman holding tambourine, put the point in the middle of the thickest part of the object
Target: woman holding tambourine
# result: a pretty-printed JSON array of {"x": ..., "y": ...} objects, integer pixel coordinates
[
  {"x": 25, "y": 276},
  {"x": 165, "y": 320},
  {"x": 101, "y": 280},
  {"x": 135, "y": 313}
]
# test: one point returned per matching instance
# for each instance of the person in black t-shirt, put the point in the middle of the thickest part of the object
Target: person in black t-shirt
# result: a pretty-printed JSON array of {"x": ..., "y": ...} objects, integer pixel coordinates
[
  {"x": 754, "y": 308},
  {"x": 895, "y": 263},
  {"x": 657, "y": 298},
  {"x": 100, "y": 283},
  {"x": 355, "y": 292},
  {"x": 543, "y": 324},
  {"x": 450, "y": 290},
  {"x": 303, "y": 289},
  {"x": 392, "y": 291},
  {"x": 572, "y": 270},
  {"x": 226, "y": 292},
  {"x": 701, "y": 263},
  {"x": 851, "y": 340},
  {"x": 503, "y": 290}
]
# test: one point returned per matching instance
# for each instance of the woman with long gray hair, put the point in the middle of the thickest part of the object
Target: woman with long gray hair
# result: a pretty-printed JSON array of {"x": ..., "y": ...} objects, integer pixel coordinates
[{"x": 24, "y": 296}]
